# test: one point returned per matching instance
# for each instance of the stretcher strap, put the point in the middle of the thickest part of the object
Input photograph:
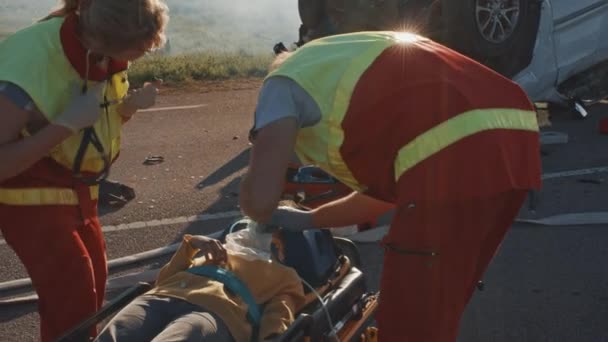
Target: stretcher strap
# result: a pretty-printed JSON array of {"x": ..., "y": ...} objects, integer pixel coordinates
[{"x": 234, "y": 284}]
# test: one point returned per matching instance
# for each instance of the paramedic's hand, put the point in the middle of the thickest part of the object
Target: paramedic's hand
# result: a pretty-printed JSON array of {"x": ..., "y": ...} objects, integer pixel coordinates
[
  {"x": 145, "y": 97},
  {"x": 83, "y": 109},
  {"x": 291, "y": 219},
  {"x": 211, "y": 249}
]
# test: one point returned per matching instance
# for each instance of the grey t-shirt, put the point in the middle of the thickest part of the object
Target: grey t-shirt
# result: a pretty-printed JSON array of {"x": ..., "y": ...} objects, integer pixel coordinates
[
  {"x": 281, "y": 97},
  {"x": 16, "y": 95}
]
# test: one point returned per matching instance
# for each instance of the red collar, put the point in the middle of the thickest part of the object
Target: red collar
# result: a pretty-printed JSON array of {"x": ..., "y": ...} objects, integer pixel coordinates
[{"x": 76, "y": 53}]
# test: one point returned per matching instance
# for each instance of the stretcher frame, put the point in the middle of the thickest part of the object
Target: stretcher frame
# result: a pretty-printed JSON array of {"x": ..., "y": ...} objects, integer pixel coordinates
[{"x": 349, "y": 305}]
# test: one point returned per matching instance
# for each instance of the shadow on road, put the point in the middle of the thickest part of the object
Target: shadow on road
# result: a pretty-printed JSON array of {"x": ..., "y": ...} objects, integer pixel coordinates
[
  {"x": 11, "y": 313},
  {"x": 227, "y": 202},
  {"x": 234, "y": 165},
  {"x": 228, "y": 195}
]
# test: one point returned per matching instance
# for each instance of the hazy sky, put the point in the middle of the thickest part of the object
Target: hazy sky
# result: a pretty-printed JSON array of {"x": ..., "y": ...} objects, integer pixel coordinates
[{"x": 195, "y": 24}]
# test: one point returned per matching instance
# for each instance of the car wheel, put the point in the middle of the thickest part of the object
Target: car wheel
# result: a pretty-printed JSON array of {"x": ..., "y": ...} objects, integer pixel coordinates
[
  {"x": 498, "y": 33},
  {"x": 311, "y": 12}
]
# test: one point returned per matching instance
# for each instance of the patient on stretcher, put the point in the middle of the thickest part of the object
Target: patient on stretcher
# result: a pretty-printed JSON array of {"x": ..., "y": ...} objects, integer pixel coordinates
[{"x": 188, "y": 303}]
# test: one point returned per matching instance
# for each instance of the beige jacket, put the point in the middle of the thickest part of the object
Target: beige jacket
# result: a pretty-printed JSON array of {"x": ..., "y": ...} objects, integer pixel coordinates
[{"x": 273, "y": 285}]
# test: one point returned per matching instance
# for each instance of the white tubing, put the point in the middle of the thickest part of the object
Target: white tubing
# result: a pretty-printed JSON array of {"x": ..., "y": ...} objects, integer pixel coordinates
[
  {"x": 120, "y": 262},
  {"x": 121, "y": 283}
]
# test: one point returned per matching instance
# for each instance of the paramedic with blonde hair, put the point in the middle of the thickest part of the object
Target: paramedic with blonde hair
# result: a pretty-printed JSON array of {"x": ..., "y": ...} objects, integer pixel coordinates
[{"x": 63, "y": 99}]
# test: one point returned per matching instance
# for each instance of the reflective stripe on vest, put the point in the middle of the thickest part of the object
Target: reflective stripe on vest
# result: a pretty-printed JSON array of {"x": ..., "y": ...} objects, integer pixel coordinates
[
  {"x": 43, "y": 196},
  {"x": 331, "y": 84},
  {"x": 457, "y": 128}
]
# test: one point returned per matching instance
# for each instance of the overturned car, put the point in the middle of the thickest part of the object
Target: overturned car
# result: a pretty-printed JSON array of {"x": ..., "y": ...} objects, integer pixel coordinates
[{"x": 557, "y": 50}]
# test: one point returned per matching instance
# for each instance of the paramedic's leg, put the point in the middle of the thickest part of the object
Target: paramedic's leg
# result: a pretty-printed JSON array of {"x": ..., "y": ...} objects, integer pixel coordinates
[
  {"x": 141, "y": 320},
  {"x": 409, "y": 287},
  {"x": 47, "y": 241},
  {"x": 423, "y": 296},
  {"x": 512, "y": 203},
  {"x": 195, "y": 325},
  {"x": 92, "y": 237}
]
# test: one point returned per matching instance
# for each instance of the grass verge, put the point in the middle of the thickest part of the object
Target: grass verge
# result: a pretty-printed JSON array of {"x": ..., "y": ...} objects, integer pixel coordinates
[{"x": 176, "y": 70}]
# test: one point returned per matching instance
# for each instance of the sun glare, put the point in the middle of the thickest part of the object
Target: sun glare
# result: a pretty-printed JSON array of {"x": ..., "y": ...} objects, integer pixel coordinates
[{"x": 407, "y": 37}]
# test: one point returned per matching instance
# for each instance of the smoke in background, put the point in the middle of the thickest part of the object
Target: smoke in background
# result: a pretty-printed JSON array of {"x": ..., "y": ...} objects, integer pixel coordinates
[
  {"x": 246, "y": 26},
  {"x": 16, "y": 14},
  {"x": 232, "y": 25}
]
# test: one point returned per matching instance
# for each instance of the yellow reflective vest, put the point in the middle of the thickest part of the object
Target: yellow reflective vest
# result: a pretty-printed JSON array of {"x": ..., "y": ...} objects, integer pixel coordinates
[{"x": 34, "y": 60}]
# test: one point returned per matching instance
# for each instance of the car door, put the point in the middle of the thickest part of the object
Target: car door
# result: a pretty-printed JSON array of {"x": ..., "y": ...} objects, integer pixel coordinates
[
  {"x": 602, "y": 52},
  {"x": 578, "y": 34}
]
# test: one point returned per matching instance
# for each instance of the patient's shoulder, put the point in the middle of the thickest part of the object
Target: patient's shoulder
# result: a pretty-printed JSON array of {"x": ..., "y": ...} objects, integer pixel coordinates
[{"x": 262, "y": 271}]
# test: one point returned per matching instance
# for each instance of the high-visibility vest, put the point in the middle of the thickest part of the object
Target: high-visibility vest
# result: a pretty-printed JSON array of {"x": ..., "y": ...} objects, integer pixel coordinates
[
  {"x": 379, "y": 123},
  {"x": 34, "y": 60}
]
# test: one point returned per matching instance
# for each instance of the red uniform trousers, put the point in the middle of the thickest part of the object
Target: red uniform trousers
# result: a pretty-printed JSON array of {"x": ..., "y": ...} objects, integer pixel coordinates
[
  {"x": 457, "y": 200},
  {"x": 423, "y": 296},
  {"x": 63, "y": 250}
]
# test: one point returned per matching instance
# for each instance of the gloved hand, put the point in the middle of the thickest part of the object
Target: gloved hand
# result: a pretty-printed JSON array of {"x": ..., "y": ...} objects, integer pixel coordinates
[
  {"x": 145, "y": 97},
  {"x": 211, "y": 249},
  {"x": 83, "y": 109},
  {"x": 291, "y": 219}
]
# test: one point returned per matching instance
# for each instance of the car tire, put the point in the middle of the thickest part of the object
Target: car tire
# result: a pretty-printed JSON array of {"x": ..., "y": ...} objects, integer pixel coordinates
[
  {"x": 311, "y": 12},
  {"x": 508, "y": 49}
]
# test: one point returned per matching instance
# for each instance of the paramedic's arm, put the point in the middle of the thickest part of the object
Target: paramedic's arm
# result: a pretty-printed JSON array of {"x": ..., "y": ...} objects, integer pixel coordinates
[
  {"x": 19, "y": 154},
  {"x": 280, "y": 311},
  {"x": 352, "y": 209},
  {"x": 181, "y": 260},
  {"x": 262, "y": 186}
]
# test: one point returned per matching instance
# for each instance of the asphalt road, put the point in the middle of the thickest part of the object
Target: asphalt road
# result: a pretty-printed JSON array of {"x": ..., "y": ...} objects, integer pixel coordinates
[{"x": 546, "y": 283}]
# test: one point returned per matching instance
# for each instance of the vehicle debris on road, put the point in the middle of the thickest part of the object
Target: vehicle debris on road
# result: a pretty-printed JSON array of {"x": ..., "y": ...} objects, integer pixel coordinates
[{"x": 153, "y": 160}]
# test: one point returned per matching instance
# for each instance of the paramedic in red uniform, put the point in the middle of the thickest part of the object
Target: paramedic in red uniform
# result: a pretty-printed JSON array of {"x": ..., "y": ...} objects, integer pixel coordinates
[
  {"x": 63, "y": 99},
  {"x": 410, "y": 125}
]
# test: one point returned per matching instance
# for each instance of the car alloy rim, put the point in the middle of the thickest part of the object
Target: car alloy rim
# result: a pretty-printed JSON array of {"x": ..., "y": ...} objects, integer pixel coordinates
[{"x": 497, "y": 19}]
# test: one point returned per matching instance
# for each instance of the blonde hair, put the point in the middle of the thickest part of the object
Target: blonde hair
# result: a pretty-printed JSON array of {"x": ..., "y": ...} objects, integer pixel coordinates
[
  {"x": 66, "y": 7},
  {"x": 119, "y": 24},
  {"x": 279, "y": 60}
]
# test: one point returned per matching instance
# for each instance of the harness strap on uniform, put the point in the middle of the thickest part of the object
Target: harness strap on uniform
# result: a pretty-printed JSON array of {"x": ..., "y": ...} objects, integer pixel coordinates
[
  {"x": 235, "y": 285},
  {"x": 86, "y": 138},
  {"x": 90, "y": 137}
]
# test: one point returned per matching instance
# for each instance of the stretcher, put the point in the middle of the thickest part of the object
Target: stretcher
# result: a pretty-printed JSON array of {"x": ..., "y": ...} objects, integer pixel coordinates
[
  {"x": 339, "y": 309},
  {"x": 309, "y": 187}
]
